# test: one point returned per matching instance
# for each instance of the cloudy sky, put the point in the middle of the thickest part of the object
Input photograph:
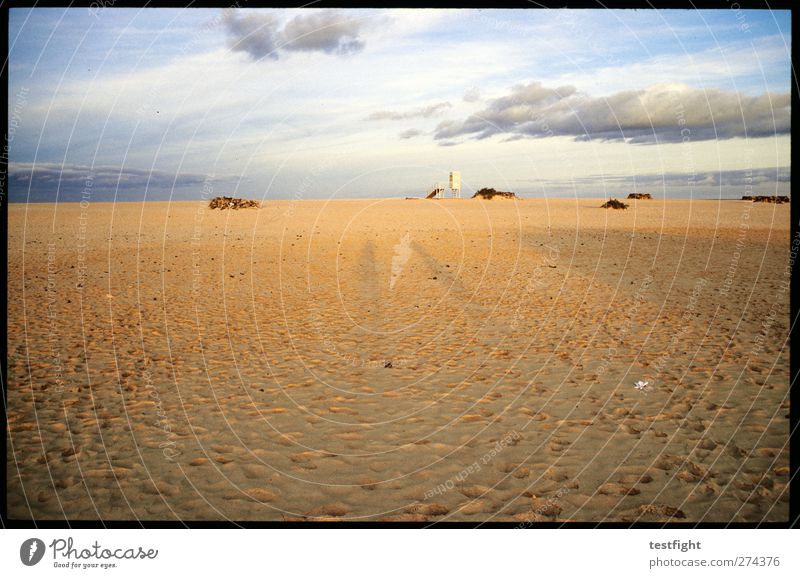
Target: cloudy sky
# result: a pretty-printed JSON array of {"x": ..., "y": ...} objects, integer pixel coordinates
[{"x": 312, "y": 103}]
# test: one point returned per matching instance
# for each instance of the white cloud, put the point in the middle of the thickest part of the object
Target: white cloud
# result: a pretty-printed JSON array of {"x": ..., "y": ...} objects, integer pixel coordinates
[
  {"x": 472, "y": 95},
  {"x": 735, "y": 66}
]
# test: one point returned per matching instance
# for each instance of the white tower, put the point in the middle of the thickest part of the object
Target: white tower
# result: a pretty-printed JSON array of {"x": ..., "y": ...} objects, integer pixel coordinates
[{"x": 455, "y": 184}]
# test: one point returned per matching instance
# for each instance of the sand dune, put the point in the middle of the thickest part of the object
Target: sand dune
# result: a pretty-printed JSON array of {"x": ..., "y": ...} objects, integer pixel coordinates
[{"x": 412, "y": 360}]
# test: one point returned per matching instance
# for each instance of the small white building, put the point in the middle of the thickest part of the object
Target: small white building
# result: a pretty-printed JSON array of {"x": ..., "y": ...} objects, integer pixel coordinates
[{"x": 438, "y": 190}]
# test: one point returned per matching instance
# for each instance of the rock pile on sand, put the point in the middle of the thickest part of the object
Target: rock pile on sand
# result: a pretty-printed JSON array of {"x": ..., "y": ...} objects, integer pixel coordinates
[
  {"x": 639, "y": 196},
  {"x": 613, "y": 204},
  {"x": 766, "y": 199},
  {"x": 232, "y": 203},
  {"x": 489, "y": 194}
]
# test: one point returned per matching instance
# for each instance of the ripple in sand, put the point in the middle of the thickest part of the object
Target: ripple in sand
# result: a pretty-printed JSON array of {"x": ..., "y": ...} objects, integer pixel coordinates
[
  {"x": 707, "y": 444},
  {"x": 368, "y": 483},
  {"x": 478, "y": 507},
  {"x": 255, "y": 472},
  {"x": 651, "y": 512},
  {"x": 65, "y": 482},
  {"x": 106, "y": 473},
  {"x": 340, "y": 409},
  {"x": 612, "y": 489},
  {"x": 406, "y": 517},
  {"x": 475, "y": 491},
  {"x": 521, "y": 472},
  {"x": 161, "y": 488},
  {"x": 433, "y": 509},
  {"x": 635, "y": 479},
  {"x": 335, "y": 510},
  {"x": 302, "y": 456},
  {"x": 545, "y": 506},
  {"x": 661, "y": 511},
  {"x": 261, "y": 494},
  {"x": 555, "y": 474},
  {"x": 530, "y": 517}
]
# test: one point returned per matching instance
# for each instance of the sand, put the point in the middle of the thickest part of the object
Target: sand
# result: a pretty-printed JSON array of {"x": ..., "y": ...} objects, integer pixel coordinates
[{"x": 409, "y": 360}]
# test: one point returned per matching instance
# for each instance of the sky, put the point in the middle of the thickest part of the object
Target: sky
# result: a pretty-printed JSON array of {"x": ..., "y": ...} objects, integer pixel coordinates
[{"x": 180, "y": 104}]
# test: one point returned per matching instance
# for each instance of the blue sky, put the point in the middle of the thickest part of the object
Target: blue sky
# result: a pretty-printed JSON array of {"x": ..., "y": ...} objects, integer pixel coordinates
[{"x": 155, "y": 103}]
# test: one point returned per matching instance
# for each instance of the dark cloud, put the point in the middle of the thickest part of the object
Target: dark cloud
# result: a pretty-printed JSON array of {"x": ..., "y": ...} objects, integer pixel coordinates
[
  {"x": 763, "y": 180},
  {"x": 262, "y": 35},
  {"x": 51, "y": 181},
  {"x": 329, "y": 31},
  {"x": 255, "y": 34},
  {"x": 410, "y": 133},
  {"x": 726, "y": 178},
  {"x": 660, "y": 113},
  {"x": 424, "y": 112}
]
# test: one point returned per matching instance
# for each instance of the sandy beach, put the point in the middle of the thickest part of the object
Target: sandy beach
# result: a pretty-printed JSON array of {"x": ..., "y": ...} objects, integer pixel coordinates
[{"x": 404, "y": 360}]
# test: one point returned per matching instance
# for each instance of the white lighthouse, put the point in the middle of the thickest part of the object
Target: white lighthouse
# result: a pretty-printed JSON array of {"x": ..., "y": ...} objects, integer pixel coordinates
[{"x": 455, "y": 184}]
